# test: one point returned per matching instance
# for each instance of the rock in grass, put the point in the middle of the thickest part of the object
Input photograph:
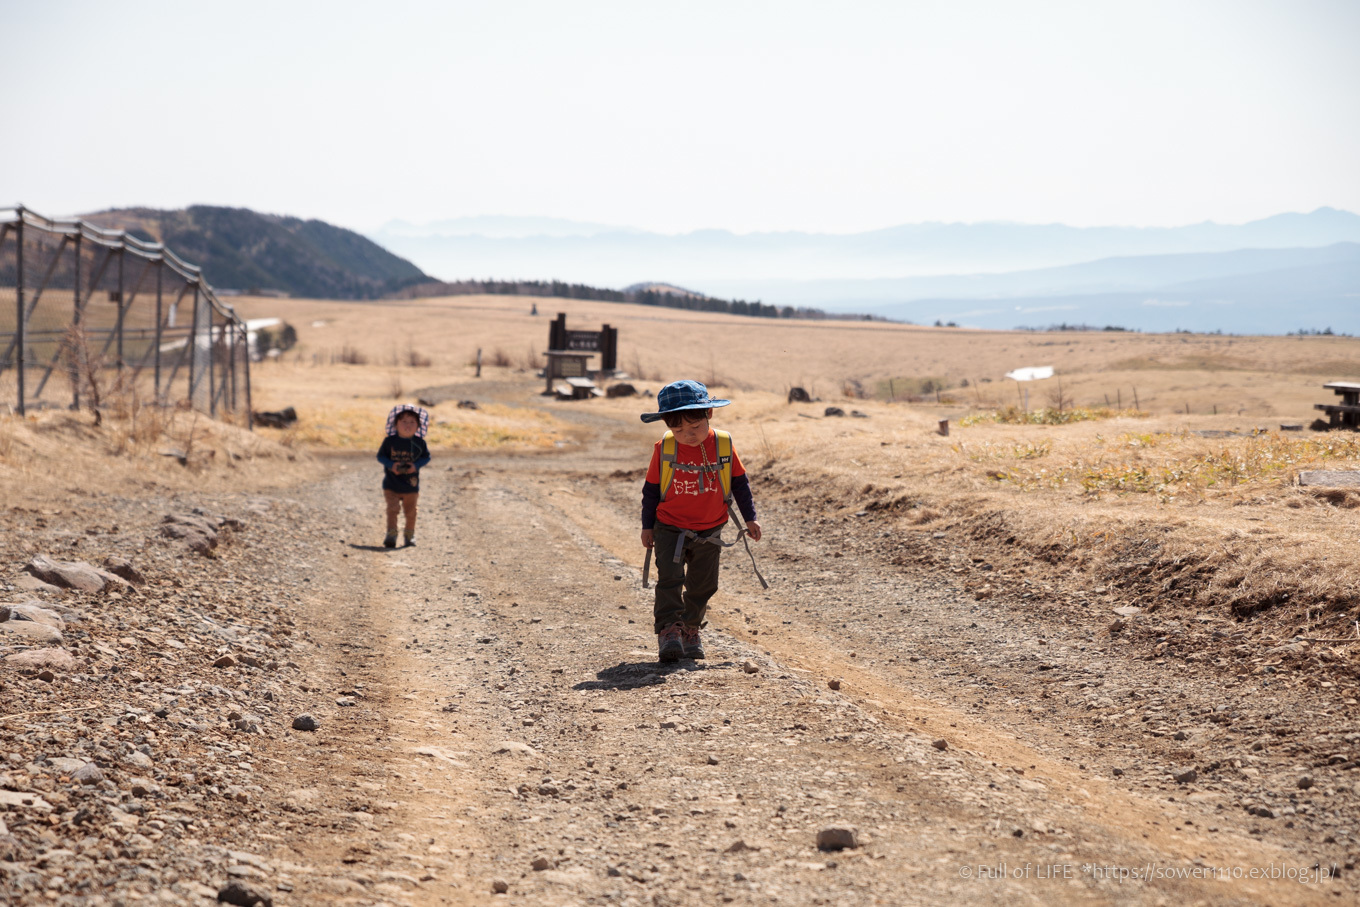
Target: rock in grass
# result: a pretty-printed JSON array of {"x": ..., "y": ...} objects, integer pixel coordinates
[
  {"x": 122, "y": 567},
  {"x": 49, "y": 659},
  {"x": 35, "y": 612},
  {"x": 89, "y": 773},
  {"x": 305, "y": 723},
  {"x": 30, "y": 633},
  {"x": 72, "y": 574},
  {"x": 836, "y": 839},
  {"x": 27, "y": 583},
  {"x": 243, "y": 895}
]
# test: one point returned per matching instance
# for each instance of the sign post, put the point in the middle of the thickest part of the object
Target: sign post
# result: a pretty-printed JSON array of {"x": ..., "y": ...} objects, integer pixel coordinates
[
  {"x": 568, "y": 351},
  {"x": 1032, "y": 373}
]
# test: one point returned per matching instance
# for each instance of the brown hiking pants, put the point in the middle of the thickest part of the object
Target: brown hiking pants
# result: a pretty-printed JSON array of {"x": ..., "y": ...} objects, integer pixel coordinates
[
  {"x": 399, "y": 502},
  {"x": 683, "y": 589}
]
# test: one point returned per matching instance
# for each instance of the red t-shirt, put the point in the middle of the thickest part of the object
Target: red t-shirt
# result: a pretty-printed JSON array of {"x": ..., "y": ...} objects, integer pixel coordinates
[{"x": 685, "y": 505}]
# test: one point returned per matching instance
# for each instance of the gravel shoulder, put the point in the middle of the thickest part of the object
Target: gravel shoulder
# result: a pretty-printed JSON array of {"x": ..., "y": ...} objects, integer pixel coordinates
[{"x": 489, "y": 709}]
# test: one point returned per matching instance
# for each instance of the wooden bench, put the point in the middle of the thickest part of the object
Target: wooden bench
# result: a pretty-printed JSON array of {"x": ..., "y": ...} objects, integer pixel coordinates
[
  {"x": 1345, "y": 414},
  {"x": 579, "y": 389}
]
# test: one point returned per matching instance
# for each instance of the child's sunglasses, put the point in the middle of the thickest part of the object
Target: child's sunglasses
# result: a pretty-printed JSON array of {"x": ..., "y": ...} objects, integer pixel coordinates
[{"x": 675, "y": 420}]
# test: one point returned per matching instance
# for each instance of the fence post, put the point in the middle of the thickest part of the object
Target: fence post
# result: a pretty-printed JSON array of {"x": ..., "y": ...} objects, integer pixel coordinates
[
  {"x": 232, "y": 359},
  {"x": 19, "y": 303},
  {"x": 75, "y": 320},
  {"x": 250, "y": 411},
  {"x": 212, "y": 355},
  {"x": 122, "y": 254},
  {"x": 160, "y": 270},
  {"x": 195, "y": 370}
]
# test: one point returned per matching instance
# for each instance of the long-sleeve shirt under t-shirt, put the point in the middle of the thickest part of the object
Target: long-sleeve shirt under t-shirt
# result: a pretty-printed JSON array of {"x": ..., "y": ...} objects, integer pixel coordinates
[
  {"x": 396, "y": 449},
  {"x": 695, "y": 499}
]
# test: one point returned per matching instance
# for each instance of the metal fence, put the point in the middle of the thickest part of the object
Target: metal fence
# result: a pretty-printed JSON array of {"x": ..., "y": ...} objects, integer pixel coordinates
[{"x": 101, "y": 315}]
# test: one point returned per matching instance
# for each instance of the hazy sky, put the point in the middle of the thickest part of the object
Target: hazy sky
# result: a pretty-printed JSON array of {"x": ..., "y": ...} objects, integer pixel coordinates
[{"x": 745, "y": 116}]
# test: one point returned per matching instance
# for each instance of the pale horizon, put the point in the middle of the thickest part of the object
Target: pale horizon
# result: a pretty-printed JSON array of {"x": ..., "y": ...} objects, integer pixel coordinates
[{"x": 756, "y": 118}]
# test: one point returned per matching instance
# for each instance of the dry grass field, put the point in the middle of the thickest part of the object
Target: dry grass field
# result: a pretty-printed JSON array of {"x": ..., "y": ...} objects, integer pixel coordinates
[{"x": 1266, "y": 378}]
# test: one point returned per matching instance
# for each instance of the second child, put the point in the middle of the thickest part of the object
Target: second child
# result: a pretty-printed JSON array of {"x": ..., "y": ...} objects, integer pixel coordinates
[{"x": 403, "y": 454}]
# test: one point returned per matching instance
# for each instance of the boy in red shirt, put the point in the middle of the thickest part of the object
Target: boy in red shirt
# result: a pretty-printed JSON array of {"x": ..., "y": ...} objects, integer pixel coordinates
[{"x": 684, "y": 507}]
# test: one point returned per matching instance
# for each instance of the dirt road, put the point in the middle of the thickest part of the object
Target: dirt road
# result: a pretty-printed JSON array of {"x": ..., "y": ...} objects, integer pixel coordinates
[{"x": 492, "y": 716}]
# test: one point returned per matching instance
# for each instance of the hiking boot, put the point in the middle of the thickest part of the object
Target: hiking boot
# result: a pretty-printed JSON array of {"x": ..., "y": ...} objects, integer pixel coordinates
[
  {"x": 670, "y": 646},
  {"x": 694, "y": 646},
  {"x": 410, "y": 539},
  {"x": 390, "y": 540}
]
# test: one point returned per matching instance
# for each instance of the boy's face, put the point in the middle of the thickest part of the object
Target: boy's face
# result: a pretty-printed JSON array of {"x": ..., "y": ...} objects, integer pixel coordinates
[
  {"x": 407, "y": 426},
  {"x": 688, "y": 430}
]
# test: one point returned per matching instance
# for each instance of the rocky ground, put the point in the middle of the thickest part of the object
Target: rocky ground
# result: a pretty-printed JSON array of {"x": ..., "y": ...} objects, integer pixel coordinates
[{"x": 491, "y": 725}]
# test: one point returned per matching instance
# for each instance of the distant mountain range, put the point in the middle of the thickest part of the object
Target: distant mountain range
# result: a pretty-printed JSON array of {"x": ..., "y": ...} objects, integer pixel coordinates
[
  {"x": 589, "y": 253},
  {"x": 1271, "y": 291},
  {"x": 500, "y": 227},
  {"x": 244, "y": 250},
  {"x": 1274, "y": 275}
]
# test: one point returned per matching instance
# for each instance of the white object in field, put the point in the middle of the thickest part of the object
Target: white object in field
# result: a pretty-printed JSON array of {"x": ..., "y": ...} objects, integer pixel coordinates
[{"x": 1033, "y": 373}]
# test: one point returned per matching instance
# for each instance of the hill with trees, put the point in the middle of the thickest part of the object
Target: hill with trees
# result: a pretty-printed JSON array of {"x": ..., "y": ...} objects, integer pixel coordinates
[{"x": 240, "y": 249}]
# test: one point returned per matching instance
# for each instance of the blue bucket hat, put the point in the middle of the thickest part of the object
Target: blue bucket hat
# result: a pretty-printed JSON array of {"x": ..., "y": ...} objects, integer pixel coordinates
[{"x": 682, "y": 395}]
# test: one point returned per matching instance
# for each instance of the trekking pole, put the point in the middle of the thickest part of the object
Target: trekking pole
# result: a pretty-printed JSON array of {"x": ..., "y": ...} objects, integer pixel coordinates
[
  {"x": 741, "y": 534},
  {"x": 646, "y": 567}
]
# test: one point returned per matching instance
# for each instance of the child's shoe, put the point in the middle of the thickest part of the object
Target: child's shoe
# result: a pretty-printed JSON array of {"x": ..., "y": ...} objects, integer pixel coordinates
[
  {"x": 693, "y": 645},
  {"x": 390, "y": 540},
  {"x": 670, "y": 646},
  {"x": 410, "y": 539}
]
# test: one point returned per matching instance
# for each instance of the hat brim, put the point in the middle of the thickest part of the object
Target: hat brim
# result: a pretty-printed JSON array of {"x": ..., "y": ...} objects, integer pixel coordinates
[{"x": 711, "y": 404}]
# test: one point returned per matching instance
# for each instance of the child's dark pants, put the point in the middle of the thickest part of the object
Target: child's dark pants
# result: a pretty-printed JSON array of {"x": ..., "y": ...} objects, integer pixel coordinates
[{"x": 697, "y": 574}]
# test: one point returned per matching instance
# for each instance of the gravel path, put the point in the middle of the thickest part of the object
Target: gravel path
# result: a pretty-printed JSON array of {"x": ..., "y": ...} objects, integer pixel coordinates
[{"x": 490, "y": 715}]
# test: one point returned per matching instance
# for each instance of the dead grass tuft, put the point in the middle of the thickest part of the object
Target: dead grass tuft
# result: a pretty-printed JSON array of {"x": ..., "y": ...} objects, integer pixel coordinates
[
  {"x": 348, "y": 355},
  {"x": 416, "y": 359},
  {"x": 1014, "y": 415},
  {"x": 1346, "y": 498},
  {"x": 532, "y": 361},
  {"x": 6, "y": 437},
  {"x": 1170, "y": 464}
]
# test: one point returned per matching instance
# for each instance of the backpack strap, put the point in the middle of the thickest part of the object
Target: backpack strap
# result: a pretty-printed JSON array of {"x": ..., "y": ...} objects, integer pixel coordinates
[
  {"x": 669, "y": 446},
  {"x": 669, "y": 463},
  {"x": 724, "y": 440}
]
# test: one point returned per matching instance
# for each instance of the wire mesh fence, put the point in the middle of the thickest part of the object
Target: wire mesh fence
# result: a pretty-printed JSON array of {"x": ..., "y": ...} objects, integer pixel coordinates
[{"x": 88, "y": 316}]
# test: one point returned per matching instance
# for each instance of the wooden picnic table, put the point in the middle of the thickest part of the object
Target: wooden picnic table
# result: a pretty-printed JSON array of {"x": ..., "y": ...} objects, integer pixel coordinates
[{"x": 1345, "y": 414}]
